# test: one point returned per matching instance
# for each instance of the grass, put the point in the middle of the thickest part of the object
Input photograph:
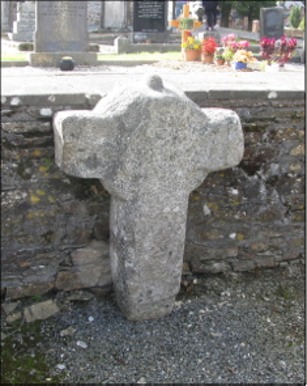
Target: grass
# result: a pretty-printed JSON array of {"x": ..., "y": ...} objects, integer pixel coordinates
[
  {"x": 21, "y": 56},
  {"x": 18, "y": 56}
]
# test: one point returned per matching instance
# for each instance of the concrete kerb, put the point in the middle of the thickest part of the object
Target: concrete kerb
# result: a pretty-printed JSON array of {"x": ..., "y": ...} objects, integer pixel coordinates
[
  {"x": 125, "y": 63},
  {"x": 198, "y": 97},
  {"x": 70, "y": 99}
]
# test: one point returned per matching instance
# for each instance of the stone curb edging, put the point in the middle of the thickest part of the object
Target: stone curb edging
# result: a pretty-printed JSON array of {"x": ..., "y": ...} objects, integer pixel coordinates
[
  {"x": 25, "y": 63},
  {"x": 195, "y": 96}
]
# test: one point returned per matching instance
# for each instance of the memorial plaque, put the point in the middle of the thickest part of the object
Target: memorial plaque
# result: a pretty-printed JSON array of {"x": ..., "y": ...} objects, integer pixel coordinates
[
  {"x": 61, "y": 26},
  {"x": 272, "y": 22},
  {"x": 149, "y": 16}
]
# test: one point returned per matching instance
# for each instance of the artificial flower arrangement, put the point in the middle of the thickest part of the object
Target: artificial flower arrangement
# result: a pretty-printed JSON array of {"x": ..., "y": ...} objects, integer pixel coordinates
[
  {"x": 231, "y": 46},
  {"x": 208, "y": 46},
  {"x": 191, "y": 43},
  {"x": 243, "y": 56},
  {"x": 277, "y": 50}
]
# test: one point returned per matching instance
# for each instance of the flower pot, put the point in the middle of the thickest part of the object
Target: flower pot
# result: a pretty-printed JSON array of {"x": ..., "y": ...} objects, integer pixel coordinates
[
  {"x": 207, "y": 58},
  {"x": 220, "y": 62},
  {"x": 240, "y": 65},
  {"x": 191, "y": 55},
  {"x": 67, "y": 64}
]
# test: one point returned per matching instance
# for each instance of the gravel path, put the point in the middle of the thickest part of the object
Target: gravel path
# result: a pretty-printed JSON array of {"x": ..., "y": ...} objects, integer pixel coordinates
[{"x": 239, "y": 328}]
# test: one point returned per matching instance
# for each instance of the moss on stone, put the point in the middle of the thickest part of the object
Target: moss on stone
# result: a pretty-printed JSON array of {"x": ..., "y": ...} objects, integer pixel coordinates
[{"x": 23, "y": 358}]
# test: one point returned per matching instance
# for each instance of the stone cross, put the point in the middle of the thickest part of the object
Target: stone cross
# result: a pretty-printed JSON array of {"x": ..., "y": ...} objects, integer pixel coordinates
[{"x": 150, "y": 146}]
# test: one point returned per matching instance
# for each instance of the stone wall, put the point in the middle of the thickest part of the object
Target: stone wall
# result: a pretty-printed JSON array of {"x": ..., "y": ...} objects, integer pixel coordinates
[{"x": 239, "y": 219}]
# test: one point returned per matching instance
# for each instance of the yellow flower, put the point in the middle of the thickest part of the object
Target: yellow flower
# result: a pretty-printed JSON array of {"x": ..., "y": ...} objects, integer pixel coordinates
[
  {"x": 191, "y": 44},
  {"x": 243, "y": 56}
]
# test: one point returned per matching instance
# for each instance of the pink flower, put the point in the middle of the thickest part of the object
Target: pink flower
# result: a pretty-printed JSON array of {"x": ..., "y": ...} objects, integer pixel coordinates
[{"x": 243, "y": 44}]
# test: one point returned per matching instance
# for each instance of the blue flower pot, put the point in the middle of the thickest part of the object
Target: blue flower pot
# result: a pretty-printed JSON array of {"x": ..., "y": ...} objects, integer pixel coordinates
[{"x": 240, "y": 65}]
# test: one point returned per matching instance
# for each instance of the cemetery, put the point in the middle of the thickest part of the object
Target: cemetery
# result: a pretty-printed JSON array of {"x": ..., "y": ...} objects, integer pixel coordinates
[{"x": 141, "y": 196}]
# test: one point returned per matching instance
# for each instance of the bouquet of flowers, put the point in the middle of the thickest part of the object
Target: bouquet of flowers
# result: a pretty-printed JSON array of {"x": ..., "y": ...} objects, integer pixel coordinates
[
  {"x": 278, "y": 50},
  {"x": 191, "y": 43},
  {"x": 209, "y": 46},
  {"x": 231, "y": 46},
  {"x": 243, "y": 56}
]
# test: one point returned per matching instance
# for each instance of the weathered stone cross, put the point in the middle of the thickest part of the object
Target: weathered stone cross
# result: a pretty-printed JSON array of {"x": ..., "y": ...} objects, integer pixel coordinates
[{"x": 150, "y": 146}]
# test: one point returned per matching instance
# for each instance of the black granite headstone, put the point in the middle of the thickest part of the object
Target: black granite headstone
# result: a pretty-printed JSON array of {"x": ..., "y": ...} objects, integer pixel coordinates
[
  {"x": 149, "y": 16},
  {"x": 272, "y": 22}
]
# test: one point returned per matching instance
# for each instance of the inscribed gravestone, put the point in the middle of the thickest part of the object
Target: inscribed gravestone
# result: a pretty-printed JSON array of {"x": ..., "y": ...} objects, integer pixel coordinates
[
  {"x": 61, "y": 26},
  {"x": 272, "y": 22},
  {"x": 150, "y": 18},
  {"x": 61, "y": 29},
  {"x": 150, "y": 146}
]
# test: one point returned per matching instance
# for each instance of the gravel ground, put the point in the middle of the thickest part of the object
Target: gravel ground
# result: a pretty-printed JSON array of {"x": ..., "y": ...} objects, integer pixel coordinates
[{"x": 235, "y": 328}]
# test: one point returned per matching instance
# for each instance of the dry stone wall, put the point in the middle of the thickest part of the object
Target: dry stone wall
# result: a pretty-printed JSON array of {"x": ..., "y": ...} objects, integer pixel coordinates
[{"x": 55, "y": 228}]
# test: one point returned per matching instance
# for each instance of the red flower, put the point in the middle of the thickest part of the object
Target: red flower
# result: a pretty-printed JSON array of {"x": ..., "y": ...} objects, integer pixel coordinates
[
  {"x": 280, "y": 50},
  {"x": 209, "y": 46}
]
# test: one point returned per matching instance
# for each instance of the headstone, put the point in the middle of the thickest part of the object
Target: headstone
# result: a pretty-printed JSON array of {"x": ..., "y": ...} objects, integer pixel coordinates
[
  {"x": 61, "y": 30},
  {"x": 94, "y": 9},
  {"x": 8, "y": 15},
  {"x": 150, "y": 146},
  {"x": 5, "y": 16},
  {"x": 115, "y": 13},
  {"x": 150, "y": 20},
  {"x": 272, "y": 22},
  {"x": 24, "y": 26}
]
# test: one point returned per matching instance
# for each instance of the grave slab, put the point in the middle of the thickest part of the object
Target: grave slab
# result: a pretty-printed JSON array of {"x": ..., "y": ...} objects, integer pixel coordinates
[{"x": 150, "y": 146}]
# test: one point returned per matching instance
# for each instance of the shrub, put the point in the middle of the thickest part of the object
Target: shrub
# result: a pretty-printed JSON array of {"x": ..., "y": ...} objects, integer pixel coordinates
[
  {"x": 295, "y": 17},
  {"x": 302, "y": 24}
]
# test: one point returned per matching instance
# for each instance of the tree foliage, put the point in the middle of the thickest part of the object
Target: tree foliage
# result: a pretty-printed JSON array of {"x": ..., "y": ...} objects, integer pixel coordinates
[{"x": 295, "y": 17}]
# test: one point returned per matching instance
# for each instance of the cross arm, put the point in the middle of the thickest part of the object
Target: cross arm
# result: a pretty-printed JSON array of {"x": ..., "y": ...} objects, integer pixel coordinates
[{"x": 85, "y": 144}]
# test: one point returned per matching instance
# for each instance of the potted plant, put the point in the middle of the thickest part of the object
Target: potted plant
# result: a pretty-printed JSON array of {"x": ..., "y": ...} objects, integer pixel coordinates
[
  {"x": 277, "y": 51},
  {"x": 242, "y": 58},
  {"x": 231, "y": 46},
  {"x": 219, "y": 56},
  {"x": 208, "y": 48},
  {"x": 192, "y": 48}
]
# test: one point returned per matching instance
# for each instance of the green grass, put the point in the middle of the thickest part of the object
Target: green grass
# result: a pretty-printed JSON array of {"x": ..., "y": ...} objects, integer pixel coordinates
[{"x": 13, "y": 57}]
